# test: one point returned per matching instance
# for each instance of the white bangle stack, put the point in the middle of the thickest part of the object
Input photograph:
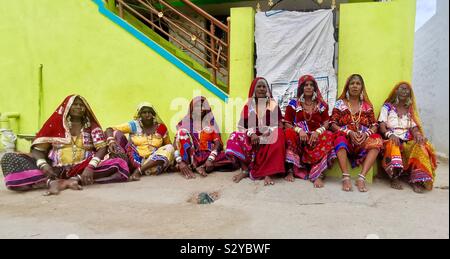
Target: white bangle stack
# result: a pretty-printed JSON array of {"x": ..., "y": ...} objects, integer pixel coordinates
[
  {"x": 298, "y": 130},
  {"x": 178, "y": 158},
  {"x": 388, "y": 134},
  {"x": 94, "y": 162},
  {"x": 250, "y": 132},
  {"x": 320, "y": 130},
  {"x": 369, "y": 133},
  {"x": 110, "y": 140},
  {"x": 212, "y": 156},
  {"x": 41, "y": 163}
]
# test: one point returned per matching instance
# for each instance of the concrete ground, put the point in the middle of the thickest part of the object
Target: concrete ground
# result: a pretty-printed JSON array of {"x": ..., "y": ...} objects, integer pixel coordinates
[{"x": 157, "y": 207}]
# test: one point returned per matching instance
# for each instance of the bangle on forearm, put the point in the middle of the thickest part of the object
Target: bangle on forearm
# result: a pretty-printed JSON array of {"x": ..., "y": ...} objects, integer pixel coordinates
[
  {"x": 40, "y": 163},
  {"x": 320, "y": 130},
  {"x": 177, "y": 155},
  {"x": 298, "y": 130},
  {"x": 213, "y": 155},
  {"x": 39, "y": 149},
  {"x": 388, "y": 134},
  {"x": 250, "y": 132},
  {"x": 346, "y": 131},
  {"x": 94, "y": 162},
  {"x": 178, "y": 159}
]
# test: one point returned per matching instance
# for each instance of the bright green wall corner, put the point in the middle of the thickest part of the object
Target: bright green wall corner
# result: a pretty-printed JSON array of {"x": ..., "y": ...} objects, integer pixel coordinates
[
  {"x": 83, "y": 52},
  {"x": 376, "y": 40}
]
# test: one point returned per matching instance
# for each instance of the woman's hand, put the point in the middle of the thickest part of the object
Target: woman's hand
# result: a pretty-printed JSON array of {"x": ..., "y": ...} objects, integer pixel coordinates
[
  {"x": 185, "y": 170},
  {"x": 419, "y": 139},
  {"x": 357, "y": 138},
  {"x": 313, "y": 138},
  {"x": 87, "y": 177},
  {"x": 254, "y": 139},
  {"x": 395, "y": 140},
  {"x": 303, "y": 136},
  {"x": 49, "y": 172},
  {"x": 114, "y": 148}
]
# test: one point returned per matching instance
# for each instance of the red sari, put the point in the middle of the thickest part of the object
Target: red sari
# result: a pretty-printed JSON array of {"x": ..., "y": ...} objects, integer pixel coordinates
[
  {"x": 268, "y": 157},
  {"x": 360, "y": 122},
  {"x": 309, "y": 161}
]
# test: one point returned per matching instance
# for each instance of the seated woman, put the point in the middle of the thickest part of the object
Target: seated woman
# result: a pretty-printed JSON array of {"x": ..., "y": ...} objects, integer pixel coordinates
[
  {"x": 67, "y": 151},
  {"x": 198, "y": 144},
  {"x": 310, "y": 149},
  {"x": 406, "y": 150},
  {"x": 148, "y": 147},
  {"x": 354, "y": 122},
  {"x": 258, "y": 147}
]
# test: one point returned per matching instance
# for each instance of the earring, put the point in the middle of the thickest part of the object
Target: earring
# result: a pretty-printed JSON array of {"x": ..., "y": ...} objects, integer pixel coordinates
[
  {"x": 88, "y": 122},
  {"x": 361, "y": 97},
  {"x": 347, "y": 95},
  {"x": 396, "y": 100},
  {"x": 69, "y": 122},
  {"x": 408, "y": 102},
  {"x": 314, "y": 97},
  {"x": 302, "y": 98}
]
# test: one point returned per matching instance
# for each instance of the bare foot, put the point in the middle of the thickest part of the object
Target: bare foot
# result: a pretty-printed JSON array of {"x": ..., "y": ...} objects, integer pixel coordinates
[
  {"x": 54, "y": 187},
  {"x": 201, "y": 171},
  {"x": 347, "y": 184},
  {"x": 396, "y": 184},
  {"x": 237, "y": 178},
  {"x": 318, "y": 183},
  {"x": 361, "y": 185},
  {"x": 268, "y": 181},
  {"x": 290, "y": 177},
  {"x": 73, "y": 185},
  {"x": 418, "y": 188},
  {"x": 136, "y": 176}
]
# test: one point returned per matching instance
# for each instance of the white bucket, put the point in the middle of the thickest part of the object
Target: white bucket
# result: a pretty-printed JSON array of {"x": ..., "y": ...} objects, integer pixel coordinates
[{"x": 7, "y": 141}]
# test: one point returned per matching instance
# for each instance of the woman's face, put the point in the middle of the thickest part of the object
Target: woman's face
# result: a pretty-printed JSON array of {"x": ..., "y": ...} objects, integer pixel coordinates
[
  {"x": 146, "y": 114},
  {"x": 261, "y": 90},
  {"x": 355, "y": 87},
  {"x": 205, "y": 109},
  {"x": 403, "y": 92},
  {"x": 78, "y": 109},
  {"x": 308, "y": 88}
]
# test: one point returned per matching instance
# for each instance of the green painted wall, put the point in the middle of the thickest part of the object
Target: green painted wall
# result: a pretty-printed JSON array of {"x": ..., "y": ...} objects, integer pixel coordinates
[
  {"x": 376, "y": 40},
  {"x": 85, "y": 53}
]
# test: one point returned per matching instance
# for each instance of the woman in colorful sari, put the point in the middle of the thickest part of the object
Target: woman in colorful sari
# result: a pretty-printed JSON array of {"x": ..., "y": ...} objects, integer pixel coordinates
[
  {"x": 310, "y": 149},
  {"x": 198, "y": 143},
  {"x": 406, "y": 150},
  {"x": 353, "y": 121},
  {"x": 148, "y": 147},
  {"x": 69, "y": 150},
  {"x": 258, "y": 147}
]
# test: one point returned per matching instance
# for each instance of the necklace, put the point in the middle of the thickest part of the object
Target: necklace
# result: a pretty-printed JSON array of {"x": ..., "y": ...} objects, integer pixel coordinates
[
  {"x": 355, "y": 119},
  {"x": 306, "y": 113},
  {"x": 74, "y": 144},
  {"x": 400, "y": 120}
]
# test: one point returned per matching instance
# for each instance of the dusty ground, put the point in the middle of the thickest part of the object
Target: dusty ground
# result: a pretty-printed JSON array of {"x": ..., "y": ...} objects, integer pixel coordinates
[{"x": 157, "y": 207}]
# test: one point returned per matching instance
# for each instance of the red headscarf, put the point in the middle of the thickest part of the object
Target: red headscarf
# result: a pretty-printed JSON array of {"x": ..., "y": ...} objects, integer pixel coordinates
[
  {"x": 56, "y": 129},
  {"x": 364, "y": 92},
  {"x": 249, "y": 107},
  {"x": 198, "y": 104},
  {"x": 412, "y": 107},
  {"x": 301, "y": 87}
]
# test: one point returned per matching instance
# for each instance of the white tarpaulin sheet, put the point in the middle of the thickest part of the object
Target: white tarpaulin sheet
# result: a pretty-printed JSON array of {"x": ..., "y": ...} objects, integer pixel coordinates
[{"x": 292, "y": 44}]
